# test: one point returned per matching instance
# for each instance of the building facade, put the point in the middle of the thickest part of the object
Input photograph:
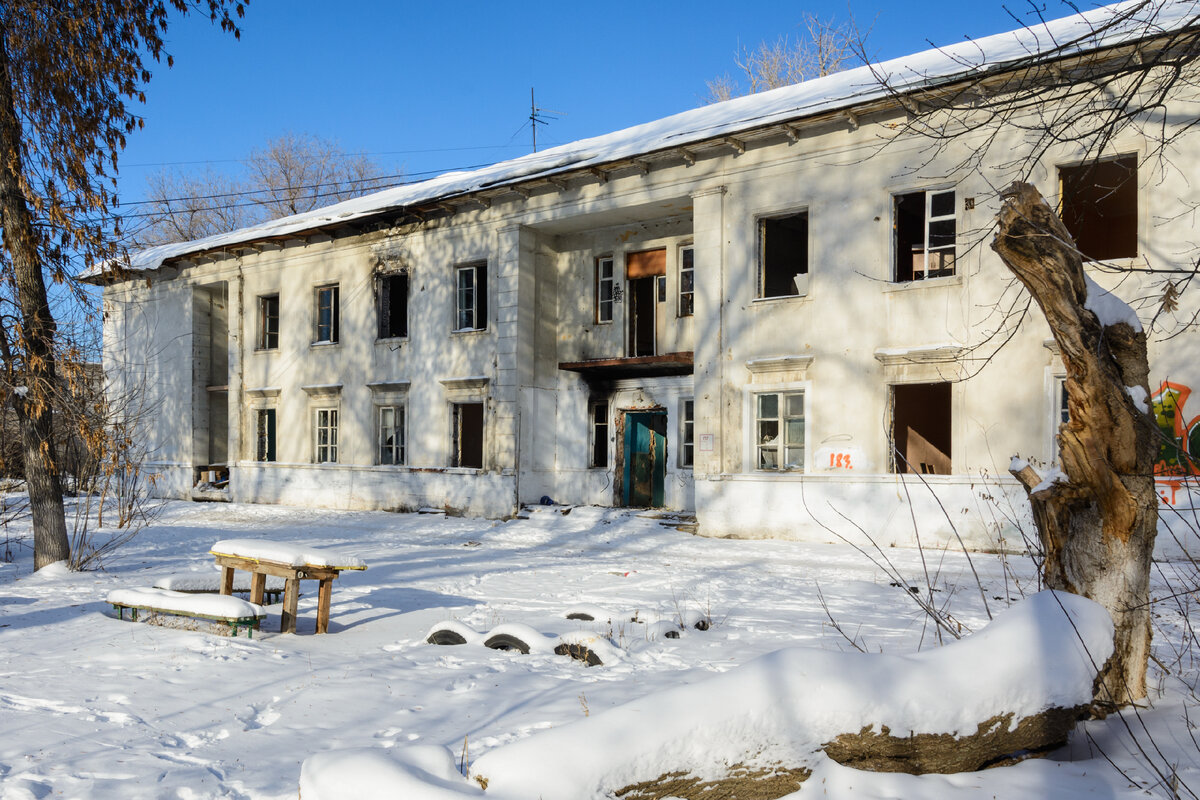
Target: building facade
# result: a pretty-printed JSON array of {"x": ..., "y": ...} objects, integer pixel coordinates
[{"x": 779, "y": 313}]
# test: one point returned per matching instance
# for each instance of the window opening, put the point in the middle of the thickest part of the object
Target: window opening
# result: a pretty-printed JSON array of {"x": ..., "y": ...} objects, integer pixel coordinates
[
  {"x": 393, "y": 306},
  {"x": 268, "y": 322},
  {"x": 926, "y": 229},
  {"x": 467, "y": 435},
  {"x": 264, "y": 449},
  {"x": 687, "y": 424},
  {"x": 598, "y": 415},
  {"x": 326, "y": 435},
  {"x": 921, "y": 428},
  {"x": 391, "y": 435},
  {"x": 783, "y": 255},
  {"x": 1098, "y": 203},
  {"x": 472, "y": 298},
  {"x": 327, "y": 314},
  {"x": 687, "y": 278},
  {"x": 605, "y": 285},
  {"x": 779, "y": 431}
]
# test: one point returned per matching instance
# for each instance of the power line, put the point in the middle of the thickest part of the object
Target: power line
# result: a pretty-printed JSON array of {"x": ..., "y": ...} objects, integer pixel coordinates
[{"x": 339, "y": 155}]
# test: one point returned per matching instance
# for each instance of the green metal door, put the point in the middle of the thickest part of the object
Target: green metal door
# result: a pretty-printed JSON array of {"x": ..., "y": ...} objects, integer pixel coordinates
[{"x": 645, "y": 468}]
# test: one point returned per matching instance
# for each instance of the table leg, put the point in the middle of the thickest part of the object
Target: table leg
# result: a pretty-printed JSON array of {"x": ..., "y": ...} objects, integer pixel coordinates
[
  {"x": 258, "y": 583},
  {"x": 291, "y": 597},
  {"x": 226, "y": 580},
  {"x": 324, "y": 596}
]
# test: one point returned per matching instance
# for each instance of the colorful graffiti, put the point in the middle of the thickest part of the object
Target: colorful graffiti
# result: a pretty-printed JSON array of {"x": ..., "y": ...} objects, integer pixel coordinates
[{"x": 1179, "y": 438}]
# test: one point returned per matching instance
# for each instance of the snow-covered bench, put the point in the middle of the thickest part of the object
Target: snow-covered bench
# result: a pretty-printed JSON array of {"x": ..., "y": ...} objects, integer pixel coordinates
[
  {"x": 235, "y": 612},
  {"x": 293, "y": 563},
  {"x": 210, "y": 583}
]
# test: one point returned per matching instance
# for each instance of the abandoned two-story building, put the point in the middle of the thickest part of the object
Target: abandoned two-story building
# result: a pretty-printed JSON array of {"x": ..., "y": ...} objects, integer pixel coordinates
[{"x": 753, "y": 311}]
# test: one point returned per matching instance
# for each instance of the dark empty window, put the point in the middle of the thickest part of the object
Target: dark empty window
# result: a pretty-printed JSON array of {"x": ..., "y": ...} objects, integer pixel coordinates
[
  {"x": 268, "y": 322},
  {"x": 1099, "y": 206},
  {"x": 393, "y": 306},
  {"x": 598, "y": 412},
  {"x": 783, "y": 243},
  {"x": 471, "y": 298},
  {"x": 467, "y": 444},
  {"x": 921, "y": 428},
  {"x": 327, "y": 314},
  {"x": 264, "y": 449},
  {"x": 926, "y": 230},
  {"x": 687, "y": 281}
]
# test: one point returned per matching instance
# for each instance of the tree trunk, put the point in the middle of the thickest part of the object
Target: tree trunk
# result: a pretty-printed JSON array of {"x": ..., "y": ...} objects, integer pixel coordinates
[
  {"x": 31, "y": 350},
  {"x": 1098, "y": 527}
]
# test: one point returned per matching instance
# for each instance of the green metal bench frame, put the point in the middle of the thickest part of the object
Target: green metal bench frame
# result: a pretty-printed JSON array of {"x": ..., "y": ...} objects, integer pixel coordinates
[{"x": 251, "y": 623}]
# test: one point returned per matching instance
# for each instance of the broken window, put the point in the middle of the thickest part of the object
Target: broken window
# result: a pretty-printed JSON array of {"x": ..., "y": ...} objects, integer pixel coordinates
[
  {"x": 921, "y": 428},
  {"x": 393, "y": 305},
  {"x": 327, "y": 314},
  {"x": 687, "y": 425},
  {"x": 598, "y": 416},
  {"x": 783, "y": 255},
  {"x": 605, "y": 285},
  {"x": 467, "y": 436},
  {"x": 325, "y": 435},
  {"x": 926, "y": 229},
  {"x": 472, "y": 297},
  {"x": 264, "y": 435},
  {"x": 687, "y": 281},
  {"x": 1099, "y": 205},
  {"x": 779, "y": 431},
  {"x": 391, "y": 435},
  {"x": 268, "y": 322}
]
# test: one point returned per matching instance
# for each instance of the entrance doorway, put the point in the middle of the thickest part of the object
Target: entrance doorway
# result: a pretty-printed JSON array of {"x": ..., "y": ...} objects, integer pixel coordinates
[{"x": 645, "y": 461}]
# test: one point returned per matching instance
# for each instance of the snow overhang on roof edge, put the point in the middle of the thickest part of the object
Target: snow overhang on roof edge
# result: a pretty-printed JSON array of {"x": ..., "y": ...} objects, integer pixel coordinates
[{"x": 1108, "y": 26}]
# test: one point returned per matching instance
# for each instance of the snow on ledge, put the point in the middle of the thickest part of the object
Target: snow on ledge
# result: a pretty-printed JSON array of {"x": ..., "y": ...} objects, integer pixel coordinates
[
  {"x": 778, "y": 708},
  {"x": 286, "y": 553}
]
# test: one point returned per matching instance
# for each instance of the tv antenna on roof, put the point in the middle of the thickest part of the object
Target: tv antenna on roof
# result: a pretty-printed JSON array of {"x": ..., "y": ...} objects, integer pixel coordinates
[{"x": 536, "y": 118}]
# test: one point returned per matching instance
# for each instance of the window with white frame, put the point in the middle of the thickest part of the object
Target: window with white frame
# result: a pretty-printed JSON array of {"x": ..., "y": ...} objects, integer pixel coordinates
[
  {"x": 687, "y": 428},
  {"x": 268, "y": 322},
  {"x": 687, "y": 281},
  {"x": 264, "y": 434},
  {"x": 605, "y": 289},
  {"x": 598, "y": 420},
  {"x": 327, "y": 315},
  {"x": 391, "y": 435},
  {"x": 926, "y": 231},
  {"x": 325, "y": 435},
  {"x": 471, "y": 297},
  {"x": 779, "y": 431}
]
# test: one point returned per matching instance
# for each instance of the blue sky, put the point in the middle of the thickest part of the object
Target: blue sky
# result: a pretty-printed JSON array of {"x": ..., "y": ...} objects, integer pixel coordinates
[{"x": 428, "y": 87}]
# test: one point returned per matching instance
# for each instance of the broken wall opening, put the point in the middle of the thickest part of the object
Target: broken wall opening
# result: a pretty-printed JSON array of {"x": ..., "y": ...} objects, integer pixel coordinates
[
  {"x": 210, "y": 381},
  {"x": 468, "y": 435},
  {"x": 921, "y": 428}
]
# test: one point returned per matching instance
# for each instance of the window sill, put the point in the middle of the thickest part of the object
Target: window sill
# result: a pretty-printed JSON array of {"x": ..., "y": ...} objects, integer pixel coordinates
[
  {"x": 323, "y": 344},
  {"x": 391, "y": 340},
  {"x": 928, "y": 283},
  {"x": 468, "y": 331},
  {"x": 762, "y": 301},
  {"x": 259, "y": 350}
]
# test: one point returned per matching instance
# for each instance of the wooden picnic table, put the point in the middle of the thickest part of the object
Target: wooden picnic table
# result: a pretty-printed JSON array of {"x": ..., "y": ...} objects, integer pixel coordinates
[{"x": 246, "y": 558}]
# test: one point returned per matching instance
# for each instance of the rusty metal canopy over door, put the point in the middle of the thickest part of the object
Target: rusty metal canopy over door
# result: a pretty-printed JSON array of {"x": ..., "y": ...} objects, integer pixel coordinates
[{"x": 646, "y": 264}]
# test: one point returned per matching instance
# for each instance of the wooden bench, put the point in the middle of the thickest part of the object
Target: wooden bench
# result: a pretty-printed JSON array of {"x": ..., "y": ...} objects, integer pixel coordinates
[
  {"x": 237, "y": 614},
  {"x": 293, "y": 563}
]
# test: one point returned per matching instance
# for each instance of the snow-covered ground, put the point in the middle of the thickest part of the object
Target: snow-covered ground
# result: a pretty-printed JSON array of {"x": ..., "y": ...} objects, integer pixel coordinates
[{"x": 91, "y": 706}]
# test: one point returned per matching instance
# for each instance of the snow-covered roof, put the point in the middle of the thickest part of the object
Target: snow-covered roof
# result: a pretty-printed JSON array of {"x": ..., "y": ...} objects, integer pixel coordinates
[{"x": 1096, "y": 29}]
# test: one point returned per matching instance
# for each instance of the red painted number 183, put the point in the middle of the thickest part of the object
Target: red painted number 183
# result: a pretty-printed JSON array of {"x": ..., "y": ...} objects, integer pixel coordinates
[{"x": 840, "y": 461}]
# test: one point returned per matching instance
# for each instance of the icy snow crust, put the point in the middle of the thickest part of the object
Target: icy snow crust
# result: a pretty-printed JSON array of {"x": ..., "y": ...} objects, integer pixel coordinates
[
  {"x": 1054, "y": 39},
  {"x": 286, "y": 553},
  {"x": 215, "y": 605}
]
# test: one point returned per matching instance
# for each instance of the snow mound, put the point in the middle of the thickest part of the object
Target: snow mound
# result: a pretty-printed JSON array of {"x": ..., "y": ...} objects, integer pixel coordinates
[
  {"x": 427, "y": 772},
  {"x": 286, "y": 553},
  {"x": 782, "y": 707}
]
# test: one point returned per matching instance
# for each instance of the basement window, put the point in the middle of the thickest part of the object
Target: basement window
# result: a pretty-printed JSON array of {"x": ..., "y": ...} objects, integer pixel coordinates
[
  {"x": 926, "y": 228},
  {"x": 783, "y": 255},
  {"x": 393, "y": 306},
  {"x": 471, "y": 297},
  {"x": 327, "y": 315},
  {"x": 1098, "y": 203},
  {"x": 921, "y": 428},
  {"x": 467, "y": 435},
  {"x": 268, "y": 322},
  {"x": 264, "y": 435}
]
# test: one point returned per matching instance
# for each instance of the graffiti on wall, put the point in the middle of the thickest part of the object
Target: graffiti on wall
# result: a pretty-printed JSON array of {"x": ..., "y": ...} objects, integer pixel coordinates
[{"x": 1179, "y": 437}]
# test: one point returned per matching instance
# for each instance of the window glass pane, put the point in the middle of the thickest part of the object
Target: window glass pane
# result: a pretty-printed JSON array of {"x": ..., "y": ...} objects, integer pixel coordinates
[
  {"x": 768, "y": 458},
  {"x": 941, "y": 233},
  {"x": 795, "y": 405},
  {"x": 794, "y": 458},
  {"x": 768, "y": 431},
  {"x": 795, "y": 431},
  {"x": 941, "y": 204},
  {"x": 768, "y": 405}
]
